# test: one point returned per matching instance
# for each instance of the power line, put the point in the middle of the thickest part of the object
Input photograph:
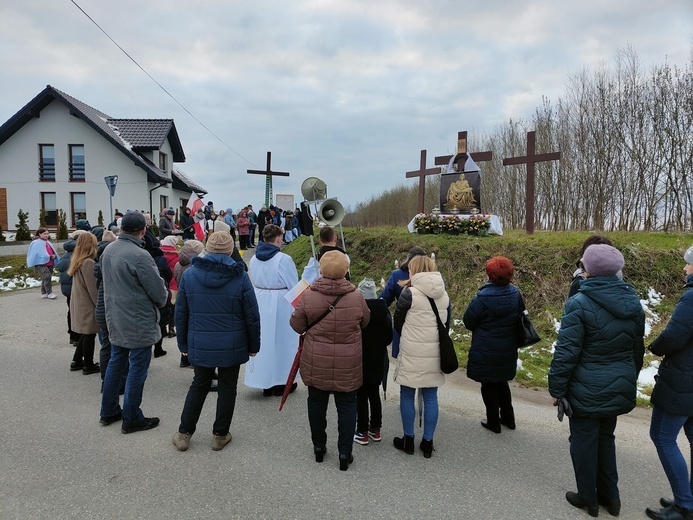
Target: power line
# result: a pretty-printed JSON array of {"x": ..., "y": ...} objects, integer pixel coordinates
[{"x": 159, "y": 84}]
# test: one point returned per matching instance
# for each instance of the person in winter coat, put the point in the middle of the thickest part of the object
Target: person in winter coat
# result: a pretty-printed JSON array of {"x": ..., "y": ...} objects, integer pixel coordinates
[
  {"x": 83, "y": 302},
  {"x": 231, "y": 222},
  {"x": 243, "y": 225},
  {"x": 263, "y": 218},
  {"x": 186, "y": 224},
  {"x": 375, "y": 338},
  {"x": 168, "y": 246},
  {"x": 132, "y": 287},
  {"x": 166, "y": 311},
  {"x": 393, "y": 289},
  {"x": 597, "y": 358},
  {"x": 273, "y": 274},
  {"x": 418, "y": 361},
  {"x": 218, "y": 323},
  {"x": 492, "y": 317},
  {"x": 66, "y": 279},
  {"x": 331, "y": 314},
  {"x": 43, "y": 256},
  {"x": 672, "y": 402},
  {"x": 190, "y": 250},
  {"x": 100, "y": 311},
  {"x": 167, "y": 226}
]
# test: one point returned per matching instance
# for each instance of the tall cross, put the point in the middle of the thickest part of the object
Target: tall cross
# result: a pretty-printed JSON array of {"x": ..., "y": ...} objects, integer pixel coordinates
[
  {"x": 462, "y": 149},
  {"x": 268, "y": 182},
  {"x": 421, "y": 174},
  {"x": 530, "y": 160}
]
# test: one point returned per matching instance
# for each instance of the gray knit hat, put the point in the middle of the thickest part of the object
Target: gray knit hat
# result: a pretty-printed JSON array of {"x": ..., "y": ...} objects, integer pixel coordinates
[
  {"x": 688, "y": 256},
  {"x": 367, "y": 288},
  {"x": 602, "y": 260}
]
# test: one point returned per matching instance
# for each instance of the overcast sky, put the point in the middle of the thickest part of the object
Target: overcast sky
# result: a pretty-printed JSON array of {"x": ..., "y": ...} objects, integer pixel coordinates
[{"x": 348, "y": 91}]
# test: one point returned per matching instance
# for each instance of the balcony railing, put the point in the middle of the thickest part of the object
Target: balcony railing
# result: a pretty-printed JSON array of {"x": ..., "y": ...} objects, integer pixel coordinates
[
  {"x": 47, "y": 172},
  {"x": 77, "y": 172}
]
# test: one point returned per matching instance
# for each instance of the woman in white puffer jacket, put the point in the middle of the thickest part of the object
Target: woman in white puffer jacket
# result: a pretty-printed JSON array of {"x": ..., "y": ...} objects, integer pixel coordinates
[{"x": 418, "y": 360}]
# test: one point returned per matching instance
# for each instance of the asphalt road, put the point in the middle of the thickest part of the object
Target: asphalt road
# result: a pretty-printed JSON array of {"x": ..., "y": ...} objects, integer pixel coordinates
[{"x": 57, "y": 462}]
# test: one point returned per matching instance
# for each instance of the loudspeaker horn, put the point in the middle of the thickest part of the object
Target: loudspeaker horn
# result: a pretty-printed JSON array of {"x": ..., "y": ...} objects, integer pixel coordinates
[
  {"x": 331, "y": 212},
  {"x": 313, "y": 189}
]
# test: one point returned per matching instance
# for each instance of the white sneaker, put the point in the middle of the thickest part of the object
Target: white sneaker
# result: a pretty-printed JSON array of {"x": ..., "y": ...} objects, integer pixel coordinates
[
  {"x": 52, "y": 296},
  {"x": 44, "y": 296}
]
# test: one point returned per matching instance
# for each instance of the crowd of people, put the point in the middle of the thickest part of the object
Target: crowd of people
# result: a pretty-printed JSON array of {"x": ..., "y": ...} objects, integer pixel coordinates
[{"x": 336, "y": 334}]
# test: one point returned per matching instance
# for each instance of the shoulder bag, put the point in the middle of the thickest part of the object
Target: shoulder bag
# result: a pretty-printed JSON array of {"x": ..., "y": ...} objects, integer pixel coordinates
[
  {"x": 526, "y": 333},
  {"x": 448, "y": 356}
]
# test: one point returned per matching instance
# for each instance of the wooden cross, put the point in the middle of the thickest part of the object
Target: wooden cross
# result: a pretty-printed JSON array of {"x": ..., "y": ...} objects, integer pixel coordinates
[
  {"x": 462, "y": 149},
  {"x": 530, "y": 159},
  {"x": 268, "y": 182},
  {"x": 421, "y": 174}
]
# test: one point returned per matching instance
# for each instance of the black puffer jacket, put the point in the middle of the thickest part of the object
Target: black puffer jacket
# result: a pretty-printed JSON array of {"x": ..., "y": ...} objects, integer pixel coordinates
[
  {"x": 376, "y": 336},
  {"x": 64, "y": 265},
  {"x": 673, "y": 391},
  {"x": 599, "y": 351}
]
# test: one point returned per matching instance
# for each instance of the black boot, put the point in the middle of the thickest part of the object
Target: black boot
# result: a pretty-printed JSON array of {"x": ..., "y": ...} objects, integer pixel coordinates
[
  {"x": 427, "y": 448},
  {"x": 579, "y": 502},
  {"x": 612, "y": 505},
  {"x": 405, "y": 443},
  {"x": 495, "y": 427},
  {"x": 158, "y": 351}
]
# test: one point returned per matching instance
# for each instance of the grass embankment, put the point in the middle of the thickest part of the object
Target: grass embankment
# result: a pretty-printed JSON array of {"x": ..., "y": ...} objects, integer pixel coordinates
[{"x": 544, "y": 263}]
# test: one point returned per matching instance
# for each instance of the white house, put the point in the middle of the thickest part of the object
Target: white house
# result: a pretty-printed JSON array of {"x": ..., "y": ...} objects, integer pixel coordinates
[{"x": 56, "y": 152}]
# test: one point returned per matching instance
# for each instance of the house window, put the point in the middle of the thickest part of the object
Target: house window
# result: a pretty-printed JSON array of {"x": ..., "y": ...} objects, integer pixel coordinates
[
  {"x": 48, "y": 205},
  {"x": 77, "y": 162},
  {"x": 162, "y": 161},
  {"x": 78, "y": 204},
  {"x": 47, "y": 162},
  {"x": 163, "y": 204}
]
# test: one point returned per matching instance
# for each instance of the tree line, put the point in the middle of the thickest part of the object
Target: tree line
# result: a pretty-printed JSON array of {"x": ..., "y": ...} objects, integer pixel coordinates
[{"x": 625, "y": 134}]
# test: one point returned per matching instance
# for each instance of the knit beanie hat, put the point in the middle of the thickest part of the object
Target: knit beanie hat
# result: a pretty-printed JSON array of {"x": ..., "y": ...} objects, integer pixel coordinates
[
  {"x": 76, "y": 233},
  {"x": 220, "y": 243},
  {"x": 688, "y": 256},
  {"x": 333, "y": 264},
  {"x": 221, "y": 226},
  {"x": 367, "y": 288},
  {"x": 169, "y": 240},
  {"x": 602, "y": 260}
]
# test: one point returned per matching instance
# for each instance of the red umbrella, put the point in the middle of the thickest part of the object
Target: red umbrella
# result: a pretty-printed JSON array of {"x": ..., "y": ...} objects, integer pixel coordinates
[{"x": 292, "y": 373}]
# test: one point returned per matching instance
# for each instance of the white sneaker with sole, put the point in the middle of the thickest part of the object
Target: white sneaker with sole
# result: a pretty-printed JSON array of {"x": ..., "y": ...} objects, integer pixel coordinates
[{"x": 52, "y": 296}]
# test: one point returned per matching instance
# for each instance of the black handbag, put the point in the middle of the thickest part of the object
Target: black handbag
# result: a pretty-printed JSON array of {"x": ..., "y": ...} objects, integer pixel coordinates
[
  {"x": 526, "y": 333},
  {"x": 448, "y": 356}
]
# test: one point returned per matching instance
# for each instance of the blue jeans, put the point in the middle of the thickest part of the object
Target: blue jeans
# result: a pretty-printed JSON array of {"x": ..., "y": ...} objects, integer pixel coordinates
[
  {"x": 664, "y": 429},
  {"x": 430, "y": 408},
  {"x": 226, "y": 399},
  {"x": 134, "y": 385},
  {"x": 251, "y": 235},
  {"x": 593, "y": 451},
  {"x": 346, "y": 418}
]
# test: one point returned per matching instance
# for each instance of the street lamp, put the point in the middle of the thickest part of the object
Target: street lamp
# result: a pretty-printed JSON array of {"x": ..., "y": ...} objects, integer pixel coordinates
[{"x": 111, "y": 182}]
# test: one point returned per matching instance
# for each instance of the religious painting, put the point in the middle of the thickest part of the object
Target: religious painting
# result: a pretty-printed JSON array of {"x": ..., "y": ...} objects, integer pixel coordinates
[{"x": 462, "y": 191}]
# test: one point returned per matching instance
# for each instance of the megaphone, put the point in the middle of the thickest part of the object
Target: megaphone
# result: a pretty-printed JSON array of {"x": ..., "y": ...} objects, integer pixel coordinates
[
  {"x": 331, "y": 212},
  {"x": 314, "y": 189}
]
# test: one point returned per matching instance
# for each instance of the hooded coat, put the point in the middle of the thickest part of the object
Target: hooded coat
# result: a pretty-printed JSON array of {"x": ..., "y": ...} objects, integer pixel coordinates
[
  {"x": 418, "y": 362},
  {"x": 599, "y": 351},
  {"x": 217, "y": 315},
  {"x": 673, "y": 390},
  {"x": 64, "y": 265},
  {"x": 332, "y": 358},
  {"x": 376, "y": 337},
  {"x": 492, "y": 317}
]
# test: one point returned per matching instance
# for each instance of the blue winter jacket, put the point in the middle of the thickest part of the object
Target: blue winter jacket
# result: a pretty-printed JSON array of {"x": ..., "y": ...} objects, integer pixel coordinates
[
  {"x": 599, "y": 351},
  {"x": 216, "y": 313},
  {"x": 673, "y": 390},
  {"x": 492, "y": 317},
  {"x": 63, "y": 265},
  {"x": 390, "y": 293}
]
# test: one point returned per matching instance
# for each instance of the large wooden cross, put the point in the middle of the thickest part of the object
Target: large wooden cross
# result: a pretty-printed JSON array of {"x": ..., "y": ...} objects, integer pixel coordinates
[
  {"x": 268, "y": 182},
  {"x": 530, "y": 160},
  {"x": 421, "y": 174},
  {"x": 462, "y": 149}
]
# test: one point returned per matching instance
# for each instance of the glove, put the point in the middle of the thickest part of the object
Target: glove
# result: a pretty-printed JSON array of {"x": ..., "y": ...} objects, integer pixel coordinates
[{"x": 563, "y": 408}]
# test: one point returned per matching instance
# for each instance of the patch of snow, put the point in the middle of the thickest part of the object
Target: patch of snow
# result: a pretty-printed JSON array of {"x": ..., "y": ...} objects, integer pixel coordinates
[{"x": 653, "y": 298}]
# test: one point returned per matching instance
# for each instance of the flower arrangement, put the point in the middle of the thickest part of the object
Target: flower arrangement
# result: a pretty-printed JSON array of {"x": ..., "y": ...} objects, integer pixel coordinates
[{"x": 426, "y": 223}]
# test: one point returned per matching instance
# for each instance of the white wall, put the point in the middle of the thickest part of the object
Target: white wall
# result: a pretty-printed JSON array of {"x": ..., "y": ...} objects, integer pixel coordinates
[{"x": 19, "y": 171}]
